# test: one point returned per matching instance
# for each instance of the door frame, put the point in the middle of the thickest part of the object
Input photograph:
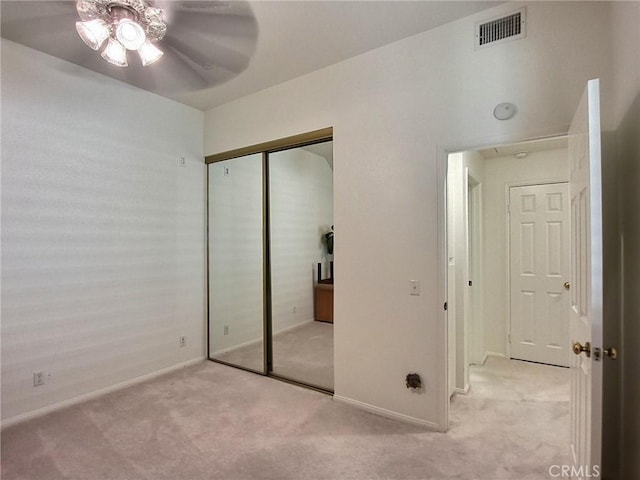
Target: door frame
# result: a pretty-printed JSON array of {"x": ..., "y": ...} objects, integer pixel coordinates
[
  {"x": 507, "y": 237},
  {"x": 475, "y": 267},
  {"x": 442, "y": 156}
]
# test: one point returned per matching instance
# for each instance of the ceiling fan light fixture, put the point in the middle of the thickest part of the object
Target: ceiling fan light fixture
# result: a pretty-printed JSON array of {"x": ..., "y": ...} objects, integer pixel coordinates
[
  {"x": 115, "y": 53},
  {"x": 130, "y": 34},
  {"x": 93, "y": 32},
  {"x": 149, "y": 53},
  {"x": 128, "y": 24}
]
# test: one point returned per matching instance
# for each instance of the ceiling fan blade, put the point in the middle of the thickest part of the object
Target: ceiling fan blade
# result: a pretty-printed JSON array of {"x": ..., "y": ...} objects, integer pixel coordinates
[
  {"x": 206, "y": 55},
  {"x": 232, "y": 15},
  {"x": 26, "y": 10},
  {"x": 170, "y": 75},
  {"x": 19, "y": 30},
  {"x": 198, "y": 78},
  {"x": 221, "y": 24},
  {"x": 201, "y": 78}
]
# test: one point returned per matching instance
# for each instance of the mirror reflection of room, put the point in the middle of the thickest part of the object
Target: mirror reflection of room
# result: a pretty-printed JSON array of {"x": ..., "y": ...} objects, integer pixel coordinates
[
  {"x": 301, "y": 227},
  {"x": 236, "y": 262}
]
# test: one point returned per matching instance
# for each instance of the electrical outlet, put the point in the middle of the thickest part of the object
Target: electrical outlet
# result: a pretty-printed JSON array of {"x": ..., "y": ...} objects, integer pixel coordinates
[
  {"x": 414, "y": 287},
  {"x": 38, "y": 379},
  {"x": 182, "y": 162},
  {"x": 226, "y": 329},
  {"x": 183, "y": 341}
]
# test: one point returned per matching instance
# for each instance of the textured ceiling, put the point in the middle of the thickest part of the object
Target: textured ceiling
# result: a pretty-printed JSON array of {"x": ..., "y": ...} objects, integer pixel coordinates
[{"x": 251, "y": 45}]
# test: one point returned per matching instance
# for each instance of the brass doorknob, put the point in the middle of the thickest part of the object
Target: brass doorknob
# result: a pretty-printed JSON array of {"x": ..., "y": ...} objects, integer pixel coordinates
[
  {"x": 578, "y": 348},
  {"x": 611, "y": 352},
  {"x": 566, "y": 285}
]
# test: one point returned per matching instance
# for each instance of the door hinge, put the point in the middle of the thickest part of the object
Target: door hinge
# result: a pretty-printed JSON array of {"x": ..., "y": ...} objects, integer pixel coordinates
[{"x": 445, "y": 306}]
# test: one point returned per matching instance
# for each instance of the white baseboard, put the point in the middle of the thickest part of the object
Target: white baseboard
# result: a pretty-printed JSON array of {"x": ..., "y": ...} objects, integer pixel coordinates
[
  {"x": 98, "y": 393},
  {"x": 236, "y": 347},
  {"x": 463, "y": 391},
  {"x": 383, "y": 412},
  {"x": 294, "y": 326},
  {"x": 259, "y": 340},
  {"x": 492, "y": 354}
]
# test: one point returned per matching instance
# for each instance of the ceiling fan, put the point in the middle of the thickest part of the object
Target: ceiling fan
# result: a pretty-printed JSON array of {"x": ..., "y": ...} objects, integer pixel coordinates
[
  {"x": 126, "y": 24},
  {"x": 183, "y": 46}
]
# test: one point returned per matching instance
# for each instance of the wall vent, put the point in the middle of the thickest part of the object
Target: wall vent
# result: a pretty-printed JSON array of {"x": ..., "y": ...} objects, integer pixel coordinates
[{"x": 507, "y": 27}]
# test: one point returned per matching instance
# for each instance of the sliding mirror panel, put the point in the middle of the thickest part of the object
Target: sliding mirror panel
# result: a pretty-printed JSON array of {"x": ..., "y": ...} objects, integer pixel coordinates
[
  {"x": 301, "y": 221},
  {"x": 236, "y": 262}
]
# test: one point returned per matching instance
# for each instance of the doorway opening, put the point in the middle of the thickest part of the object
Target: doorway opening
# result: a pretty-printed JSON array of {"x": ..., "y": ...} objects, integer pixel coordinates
[
  {"x": 582, "y": 167},
  {"x": 490, "y": 192}
]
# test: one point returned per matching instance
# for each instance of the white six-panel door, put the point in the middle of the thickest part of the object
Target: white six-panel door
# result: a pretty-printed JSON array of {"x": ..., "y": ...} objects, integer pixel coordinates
[{"x": 539, "y": 270}]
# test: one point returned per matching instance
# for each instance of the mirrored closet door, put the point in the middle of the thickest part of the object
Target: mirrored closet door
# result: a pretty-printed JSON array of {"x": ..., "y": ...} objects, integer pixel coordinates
[
  {"x": 236, "y": 262},
  {"x": 301, "y": 220},
  {"x": 270, "y": 260}
]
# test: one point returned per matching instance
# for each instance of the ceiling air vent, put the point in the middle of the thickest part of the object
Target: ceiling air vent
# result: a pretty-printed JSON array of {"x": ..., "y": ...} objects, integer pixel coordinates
[{"x": 508, "y": 27}]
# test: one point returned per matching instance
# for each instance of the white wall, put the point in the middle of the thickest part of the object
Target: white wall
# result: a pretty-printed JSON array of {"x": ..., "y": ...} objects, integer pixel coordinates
[
  {"x": 625, "y": 21},
  {"x": 102, "y": 231},
  {"x": 394, "y": 111},
  {"x": 538, "y": 167},
  {"x": 301, "y": 201}
]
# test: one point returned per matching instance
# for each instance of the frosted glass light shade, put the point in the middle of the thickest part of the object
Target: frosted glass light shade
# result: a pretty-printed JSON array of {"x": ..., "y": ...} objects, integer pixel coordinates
[
  {"x": 149, "y": 53},
  {"x": 93, "y": 32},
  {"x": 126, "y": 24},
  {"x": 130, "y": 34},
  {"x": 115, "y": 53}
]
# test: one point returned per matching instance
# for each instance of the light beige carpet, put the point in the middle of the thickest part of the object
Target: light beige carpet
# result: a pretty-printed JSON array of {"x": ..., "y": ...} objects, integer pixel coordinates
[
  {"x": 215, "y": 422},
  {"x": 303, "y": 353}
]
